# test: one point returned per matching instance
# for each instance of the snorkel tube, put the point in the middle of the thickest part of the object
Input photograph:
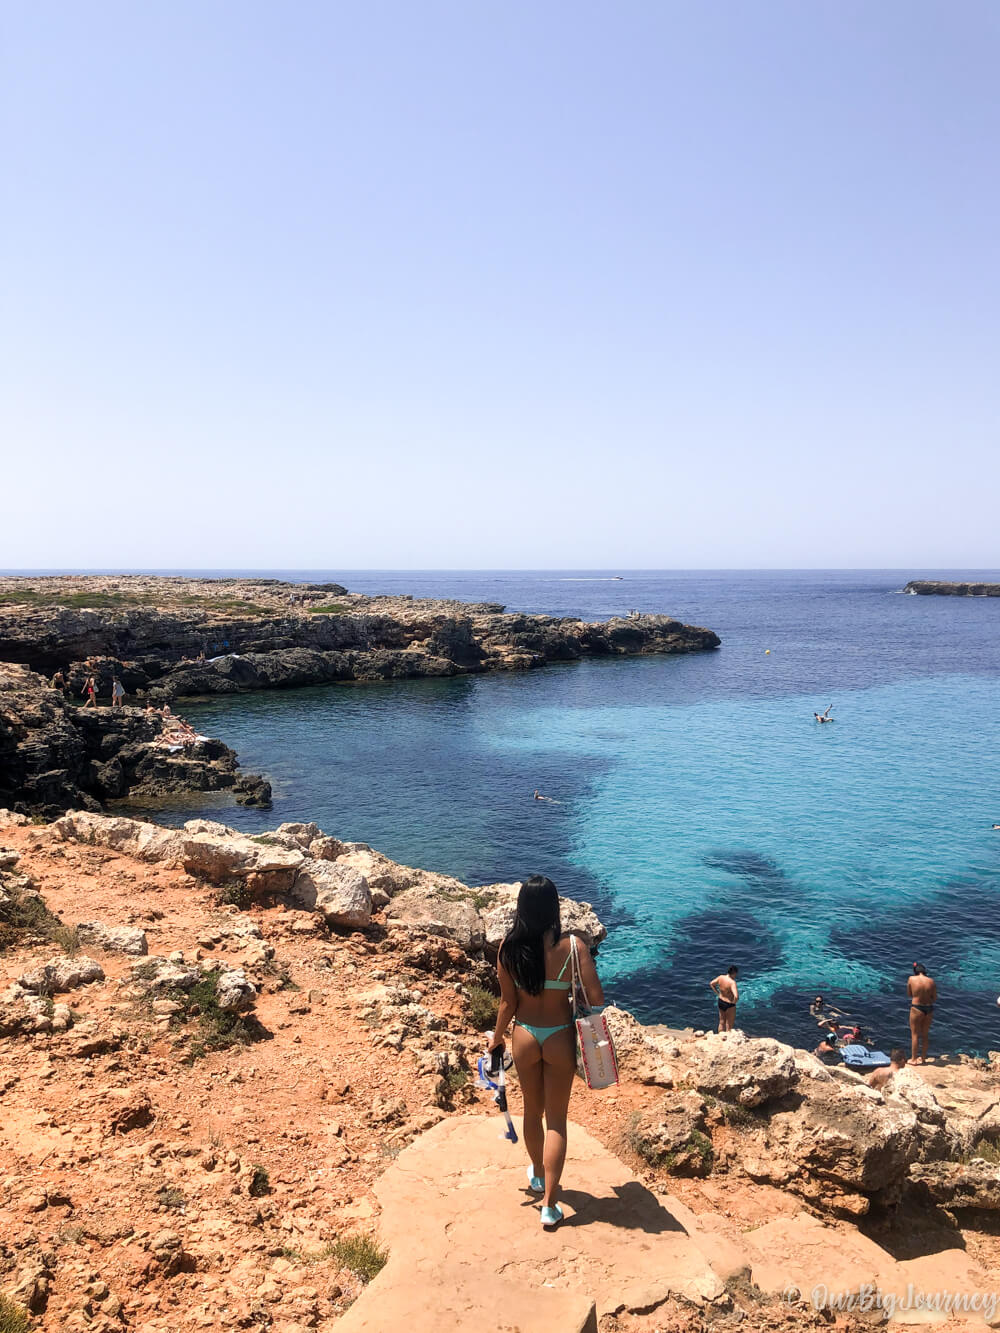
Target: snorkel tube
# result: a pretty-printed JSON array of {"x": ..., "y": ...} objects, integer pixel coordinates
[{"x": 490, "y": 1068}]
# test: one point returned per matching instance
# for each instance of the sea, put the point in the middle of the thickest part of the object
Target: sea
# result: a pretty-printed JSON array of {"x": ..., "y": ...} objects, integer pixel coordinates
[{"x": 693, "y": 800}]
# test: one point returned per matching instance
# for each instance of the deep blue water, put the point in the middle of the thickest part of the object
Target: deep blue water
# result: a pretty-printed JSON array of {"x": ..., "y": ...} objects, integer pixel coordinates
[{"x": 701, "y": 809}]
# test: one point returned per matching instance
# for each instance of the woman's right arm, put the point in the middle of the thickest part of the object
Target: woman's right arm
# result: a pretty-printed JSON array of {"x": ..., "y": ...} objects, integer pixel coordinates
[
  {"x": 508, "y": 1005},
  {"x": 588, "y": 973}
]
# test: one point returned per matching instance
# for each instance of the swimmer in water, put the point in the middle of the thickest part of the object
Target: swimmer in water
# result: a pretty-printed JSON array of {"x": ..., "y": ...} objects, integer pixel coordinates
[{"x": 824, "y": 716}]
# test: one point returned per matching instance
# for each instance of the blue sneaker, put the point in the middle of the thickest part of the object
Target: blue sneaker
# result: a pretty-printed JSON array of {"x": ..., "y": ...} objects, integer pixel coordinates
[
  {"x": 551, "y": 1217},
  {"x": 535, "y": 1183}
]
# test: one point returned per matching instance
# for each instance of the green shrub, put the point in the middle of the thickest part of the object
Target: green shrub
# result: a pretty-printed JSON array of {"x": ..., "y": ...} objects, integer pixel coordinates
[
  {"x": 171, "y": 1198},
  {"x": 984, "y": 1148},
  {"x": 482, "y": 1007},
  {"x": 24, "y": 915},
  {"x": 739, "y": 1117},
  {"x": 360, "y": 1255},
  {"x": 332, "y": 609},
  {"x": 219, "y": 1028},
  {"x": 260, "y": 1182},
  {"x": 14, "y": 1318},
  {"x": 236, "y": 894},
  {"x": 455, "y": 1079}
]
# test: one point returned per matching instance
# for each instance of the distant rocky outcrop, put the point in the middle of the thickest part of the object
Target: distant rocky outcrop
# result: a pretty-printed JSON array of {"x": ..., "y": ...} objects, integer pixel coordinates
[
  {"x": 54, "y": 754},
  {"x": 168, "y": 638},
  {"x": 941, "y": 588}
]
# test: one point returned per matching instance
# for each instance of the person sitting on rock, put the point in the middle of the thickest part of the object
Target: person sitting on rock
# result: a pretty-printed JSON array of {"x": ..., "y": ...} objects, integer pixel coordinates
[
  {"x": 878, "y": 1078},
  {"x": 534, "y": 968}
]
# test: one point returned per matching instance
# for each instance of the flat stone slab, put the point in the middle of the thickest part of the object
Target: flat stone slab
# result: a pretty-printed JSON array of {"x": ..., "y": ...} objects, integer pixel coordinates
[{"x": 467, "y": 1249}]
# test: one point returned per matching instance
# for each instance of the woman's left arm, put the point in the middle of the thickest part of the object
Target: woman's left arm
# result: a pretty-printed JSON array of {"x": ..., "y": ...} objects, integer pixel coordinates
[{"x": 508, "y": 1005}]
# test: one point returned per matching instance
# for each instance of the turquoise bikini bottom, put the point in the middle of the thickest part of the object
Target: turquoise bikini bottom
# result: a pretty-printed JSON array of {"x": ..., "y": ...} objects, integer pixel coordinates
[{"x": 541, "y": 1035}]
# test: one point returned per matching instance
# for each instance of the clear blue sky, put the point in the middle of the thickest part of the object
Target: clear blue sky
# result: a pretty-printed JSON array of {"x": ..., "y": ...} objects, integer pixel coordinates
[{"x": 393, "y": 284}]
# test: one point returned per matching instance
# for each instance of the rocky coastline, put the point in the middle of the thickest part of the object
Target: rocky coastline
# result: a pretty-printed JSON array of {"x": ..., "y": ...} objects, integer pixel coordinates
[
  {"x": 263, "y": 1024},
  {"x": 941, "y": 588},
  {"x": 166, "y": 638},
  {"x": 56, "y": 754}
]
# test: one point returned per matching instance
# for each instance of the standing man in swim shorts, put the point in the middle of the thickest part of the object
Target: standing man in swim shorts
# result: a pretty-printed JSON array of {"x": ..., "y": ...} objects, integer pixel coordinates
[
  {"x": 728, "y": 994},
  {"x": 922, "y": 991}
]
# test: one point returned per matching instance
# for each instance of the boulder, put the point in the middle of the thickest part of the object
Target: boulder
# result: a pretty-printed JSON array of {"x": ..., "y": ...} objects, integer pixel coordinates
[
  {"x": 15, "y": 1018},
  {"x": 324, "y": 848},
  {"x": 746, "y": 1070},
  {"x": 300, "y": 835},
  {"x": 338, "y": 892},
  {"x": 9, "y": 819},
  {"x": 114, "y": 939},
  {"x": 389, "y": 877},
  {"x": 233, "y": 991},
  {"x": 974, "y": 1184},
  {"x": 908, "y": 1091},
  {"x": 674, "y": 1136},
  {"x": 209, "y": 826},
  {"x": 836, "y": 1144},
  {"x": 449, "y": 914},
  {"x": 646, "y": 1054},
  {"x": 156, "y": 973},
  {"x": 131, "y": 837},
  {"x": 62, "y": 974},
  {"x": 221, "y": 859},
  {"x": 577, "y": 918}
]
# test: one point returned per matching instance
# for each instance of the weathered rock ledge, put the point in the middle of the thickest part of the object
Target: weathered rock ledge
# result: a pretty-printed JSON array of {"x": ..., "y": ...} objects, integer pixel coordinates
[
  {"x": 167, "y": 638},
  {"x": 941, "y": 588},
  {"x": 54, "y": 754}
]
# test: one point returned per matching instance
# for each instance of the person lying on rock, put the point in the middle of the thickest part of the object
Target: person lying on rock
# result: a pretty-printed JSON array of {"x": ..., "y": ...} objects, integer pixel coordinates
[
  {"x": 534, "y": 969},
  {"x": 878, "y": 1078}
]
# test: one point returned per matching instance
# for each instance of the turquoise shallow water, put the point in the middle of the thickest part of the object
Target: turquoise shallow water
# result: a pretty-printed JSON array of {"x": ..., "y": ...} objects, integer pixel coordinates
[{"x": 701, "y": 808}]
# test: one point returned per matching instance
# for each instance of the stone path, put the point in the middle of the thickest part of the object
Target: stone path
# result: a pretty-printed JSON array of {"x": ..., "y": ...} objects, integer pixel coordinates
[{"x": 467, "y": 1249}]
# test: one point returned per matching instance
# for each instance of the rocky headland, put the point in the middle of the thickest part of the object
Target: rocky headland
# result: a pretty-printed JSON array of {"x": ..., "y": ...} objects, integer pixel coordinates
[
  {"x": 941, "y": 588},
  {"x": 56, "y": 754},
  {"x": 166, "y": 638},
  {"x": 236, "y": 1092},
  {"x": 169, "y": 637}
]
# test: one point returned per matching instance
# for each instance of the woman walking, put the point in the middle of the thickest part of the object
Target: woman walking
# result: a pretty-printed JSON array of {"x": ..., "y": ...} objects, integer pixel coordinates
[{"x": 534, "y": 970}]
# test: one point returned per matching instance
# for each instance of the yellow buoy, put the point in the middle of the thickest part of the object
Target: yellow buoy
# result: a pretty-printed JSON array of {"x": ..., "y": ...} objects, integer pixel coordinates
[{"x": 767, "y": 652}]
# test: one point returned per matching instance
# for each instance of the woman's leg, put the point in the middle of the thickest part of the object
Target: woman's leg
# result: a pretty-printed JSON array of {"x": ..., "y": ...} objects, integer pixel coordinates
[
  {"x": 559, "y": 1056},
  {"x": 528, "y": 1059}
]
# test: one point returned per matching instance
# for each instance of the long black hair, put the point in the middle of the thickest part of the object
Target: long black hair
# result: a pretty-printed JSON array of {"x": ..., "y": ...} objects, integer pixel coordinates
[{"x": 523, "y": 951}]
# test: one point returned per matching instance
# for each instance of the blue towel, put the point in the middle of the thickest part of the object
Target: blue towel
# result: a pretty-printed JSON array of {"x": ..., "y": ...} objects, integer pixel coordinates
[{"x": 860, "y": 1057}]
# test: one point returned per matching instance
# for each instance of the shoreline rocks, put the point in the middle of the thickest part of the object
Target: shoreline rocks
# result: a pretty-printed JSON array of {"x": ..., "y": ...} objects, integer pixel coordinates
[
  {"x": 55, "y": 755},
  {"x": 167, "y": 638},
  {"x": 942, "y": 588}
]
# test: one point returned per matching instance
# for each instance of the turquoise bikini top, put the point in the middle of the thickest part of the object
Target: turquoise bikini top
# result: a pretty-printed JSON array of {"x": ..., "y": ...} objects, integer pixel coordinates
[{"x": 559, "y": 984}]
